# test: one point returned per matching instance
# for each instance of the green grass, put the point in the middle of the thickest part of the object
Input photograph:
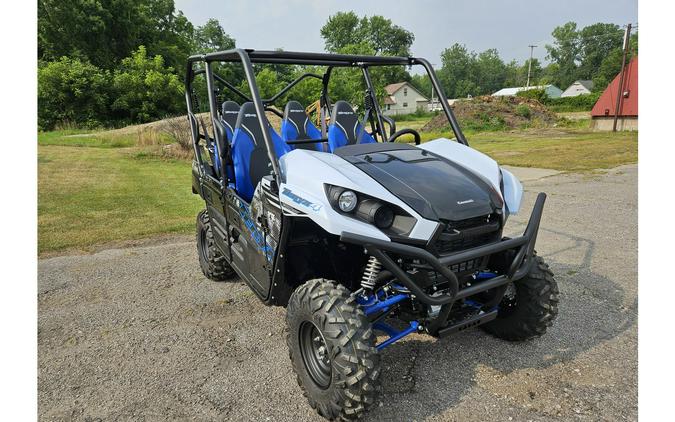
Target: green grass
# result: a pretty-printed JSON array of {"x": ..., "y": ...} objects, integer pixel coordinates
[
  {"x": 570, "y": 148},
  {"x": 97, "y": 189},
  {"x": 79, "y": 138},
  {"x": 89, "y": 195}
]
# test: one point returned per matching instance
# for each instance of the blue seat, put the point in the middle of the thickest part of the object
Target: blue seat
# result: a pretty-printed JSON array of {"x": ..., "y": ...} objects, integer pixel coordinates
[
  {"x": 249, "y": 154},
  {"x": 296, "y": 125},
  {"x": 228, "y": 116},
  {"x": 345, "y": 128}
]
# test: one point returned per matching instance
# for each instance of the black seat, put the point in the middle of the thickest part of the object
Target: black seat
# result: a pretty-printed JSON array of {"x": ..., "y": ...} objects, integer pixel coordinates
[
  {"x": 345, "y": 128},
  {"x": 230, "y": 112},
  {"x": 297, "y": 125}
]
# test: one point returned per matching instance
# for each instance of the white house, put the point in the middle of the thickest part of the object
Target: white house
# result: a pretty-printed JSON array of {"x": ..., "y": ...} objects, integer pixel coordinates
[
  {"x": 580, "y": 87},
  {"x": 403, "y": 98},
  {"x": 551, "y": 90}
]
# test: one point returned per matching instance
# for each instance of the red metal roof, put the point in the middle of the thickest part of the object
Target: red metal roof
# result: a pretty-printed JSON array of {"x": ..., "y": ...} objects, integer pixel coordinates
[{"x": 629, "y": 105}]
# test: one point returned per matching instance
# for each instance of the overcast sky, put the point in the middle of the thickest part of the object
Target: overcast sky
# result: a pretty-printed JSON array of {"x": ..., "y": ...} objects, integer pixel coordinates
[{"x": 508, "y": 25}]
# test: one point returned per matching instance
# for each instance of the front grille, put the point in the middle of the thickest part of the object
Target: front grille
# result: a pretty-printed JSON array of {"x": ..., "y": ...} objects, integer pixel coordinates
[{"x": 469, "y": 233}]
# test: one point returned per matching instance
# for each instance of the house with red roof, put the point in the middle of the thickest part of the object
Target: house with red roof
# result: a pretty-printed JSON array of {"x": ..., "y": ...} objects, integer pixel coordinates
[{"x": 602, "y": 115}]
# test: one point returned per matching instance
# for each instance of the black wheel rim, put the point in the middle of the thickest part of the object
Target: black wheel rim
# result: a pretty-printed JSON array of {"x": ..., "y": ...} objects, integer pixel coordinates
[
  {"x": 203, "y": 245},
  {"x": 315, "y": 354}
]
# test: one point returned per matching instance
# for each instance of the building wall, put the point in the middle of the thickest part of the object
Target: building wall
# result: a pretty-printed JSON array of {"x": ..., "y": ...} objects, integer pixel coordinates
[
  {"x": 406, "y": 102},
  {"x": 607, "y": 123}
]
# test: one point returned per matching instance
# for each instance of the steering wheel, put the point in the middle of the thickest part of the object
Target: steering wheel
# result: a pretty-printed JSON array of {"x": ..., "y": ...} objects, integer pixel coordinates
[{"x": 393, "y": 137}]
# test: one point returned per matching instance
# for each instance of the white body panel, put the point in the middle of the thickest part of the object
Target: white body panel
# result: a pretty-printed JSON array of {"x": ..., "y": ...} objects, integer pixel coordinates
[{"x": 305, "y": 174}]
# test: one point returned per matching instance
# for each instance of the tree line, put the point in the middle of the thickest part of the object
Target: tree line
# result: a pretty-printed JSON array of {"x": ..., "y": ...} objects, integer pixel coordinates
[{"x": 115, "y": 62}]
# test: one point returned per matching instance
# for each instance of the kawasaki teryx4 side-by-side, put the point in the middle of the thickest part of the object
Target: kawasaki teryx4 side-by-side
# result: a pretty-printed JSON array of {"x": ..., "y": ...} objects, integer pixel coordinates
[{"x": 363, "y": 239}]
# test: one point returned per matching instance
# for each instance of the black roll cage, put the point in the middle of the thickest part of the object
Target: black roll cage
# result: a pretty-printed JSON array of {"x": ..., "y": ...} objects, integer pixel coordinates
[{"x": 247, "y": 57}]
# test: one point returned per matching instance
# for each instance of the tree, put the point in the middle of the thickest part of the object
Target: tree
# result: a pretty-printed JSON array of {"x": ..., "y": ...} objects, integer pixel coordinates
[
  {"x": 212, "y": 37},
  {"x": 565, "y": 53},
  {"x": 457, "y": 66},
  {"x": 611, "y": 64},
  {"x": 596, "y": 42},
  {"x": 145, "y": 89},
  {"x": 103, "y": 32},
  {"x": 72, "y": 91},
  {"x": 379, "y": 33},
  {"x": 490, "y": 72}
]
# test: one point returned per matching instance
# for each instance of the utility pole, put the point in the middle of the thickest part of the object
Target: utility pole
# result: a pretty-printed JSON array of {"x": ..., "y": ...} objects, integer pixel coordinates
[
  {"x": 529, "y": 67},
  {"x": 619, "y": 95}
]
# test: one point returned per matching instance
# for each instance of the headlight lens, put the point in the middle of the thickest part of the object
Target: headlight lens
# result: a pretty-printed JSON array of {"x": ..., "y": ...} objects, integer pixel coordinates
[{"x": 347, "y": 201}]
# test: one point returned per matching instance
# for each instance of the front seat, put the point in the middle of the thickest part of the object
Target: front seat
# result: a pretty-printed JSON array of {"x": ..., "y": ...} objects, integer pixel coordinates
[
  {"x": 249, "y": 154},
  {"x": 297, "y": 125},
  {"x": 345, "y": 128}
]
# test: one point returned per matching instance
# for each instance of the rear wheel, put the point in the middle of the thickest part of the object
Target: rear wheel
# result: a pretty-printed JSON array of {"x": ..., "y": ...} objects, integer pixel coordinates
[
  {"x": 529, "y": 305},
  {"x": 211, "y": 260},
  {"x": 332, "y": 350}
]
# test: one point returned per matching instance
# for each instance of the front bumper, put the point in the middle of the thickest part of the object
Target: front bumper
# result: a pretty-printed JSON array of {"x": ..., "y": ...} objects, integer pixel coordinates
[{"x": 523, "y": 246}]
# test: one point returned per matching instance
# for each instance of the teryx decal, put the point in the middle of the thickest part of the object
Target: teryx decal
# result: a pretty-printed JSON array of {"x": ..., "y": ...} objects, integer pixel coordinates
[{"x": 301, "y": 201}]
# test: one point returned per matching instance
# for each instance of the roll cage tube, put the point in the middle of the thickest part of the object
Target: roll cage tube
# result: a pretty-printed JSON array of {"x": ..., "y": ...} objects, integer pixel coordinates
[{"x": 247, "y": 57}]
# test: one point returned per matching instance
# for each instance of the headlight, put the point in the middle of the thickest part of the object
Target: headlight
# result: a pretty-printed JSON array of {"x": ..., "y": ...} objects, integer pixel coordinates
[
  {"x": 347, "y": 201},
  {"x": 375, "y": 212},
  {"x": 387, "y": 217}
]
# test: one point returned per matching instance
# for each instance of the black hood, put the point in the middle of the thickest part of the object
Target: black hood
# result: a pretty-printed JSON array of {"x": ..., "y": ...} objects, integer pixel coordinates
[{"x": 435, "y": 187}]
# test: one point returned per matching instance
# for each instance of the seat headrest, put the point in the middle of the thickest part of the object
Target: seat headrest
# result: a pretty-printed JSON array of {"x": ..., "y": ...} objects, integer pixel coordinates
[
  {"x": 230, "y": 113},
  {"x": 346, "y": 118},
  {"x": 248, "y": 120},
  {"x": 295, "y": 114}
]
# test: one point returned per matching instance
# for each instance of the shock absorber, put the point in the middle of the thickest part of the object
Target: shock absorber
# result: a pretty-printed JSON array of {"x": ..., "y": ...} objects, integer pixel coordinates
[{"x": 370, "y": 274}]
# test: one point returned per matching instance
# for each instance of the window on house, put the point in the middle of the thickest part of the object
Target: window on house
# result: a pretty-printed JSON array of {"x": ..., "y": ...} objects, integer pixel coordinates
[
  {"x": 405, "y": 92},
  {"x": 405, "y": 105}
]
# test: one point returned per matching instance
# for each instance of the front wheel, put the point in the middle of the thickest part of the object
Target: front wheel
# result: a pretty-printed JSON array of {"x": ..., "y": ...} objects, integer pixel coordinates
[
  {"x": 529, "y": 305},
  {"x": 332, "y": 350}
]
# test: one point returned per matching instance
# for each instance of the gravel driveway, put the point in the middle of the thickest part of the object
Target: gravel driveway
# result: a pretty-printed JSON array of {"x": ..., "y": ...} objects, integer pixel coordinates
[{"x": 140, "y": 334}]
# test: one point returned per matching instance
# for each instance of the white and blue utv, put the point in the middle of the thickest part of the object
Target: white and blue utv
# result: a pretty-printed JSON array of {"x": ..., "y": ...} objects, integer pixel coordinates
[{"x": 363, "y": 239}]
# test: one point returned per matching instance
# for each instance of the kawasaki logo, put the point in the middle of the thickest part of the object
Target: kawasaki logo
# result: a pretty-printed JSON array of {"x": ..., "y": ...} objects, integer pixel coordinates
[
  {"x": 467, "y": 201},
  {"x": 249, "y": 115}
]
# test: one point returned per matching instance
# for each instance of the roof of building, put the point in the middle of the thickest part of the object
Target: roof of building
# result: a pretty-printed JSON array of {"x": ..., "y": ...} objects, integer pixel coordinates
[
  {"x": 588, "y": 84},
  {"x": 517, "y": 89},
  {"x": 392, "y": 88},
  {"x": 606, "y": 104}
]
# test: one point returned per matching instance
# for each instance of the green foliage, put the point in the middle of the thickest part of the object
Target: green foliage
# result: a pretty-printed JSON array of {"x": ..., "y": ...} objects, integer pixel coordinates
[
  {"x": 145, "y": 89},
  {"x": 212, "y": 37},
  {"x": 74, "y": 91},
  {"x": 465, "y": 73},
  {"x": 104, "y": 32},
  {"x": 535, "y": 94},
  {"x": 523, "y": 111},
  {"x": 565, "y": 52},
  {"x": 344, "y": 29},
  {"x": 578, "y": 103}
]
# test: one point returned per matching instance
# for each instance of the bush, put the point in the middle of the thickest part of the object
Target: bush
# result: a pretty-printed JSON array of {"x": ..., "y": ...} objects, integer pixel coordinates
[
  {"x": 535, "y": 94},
  {"x": 523, "y": 111},
  {"x": 145, "y": 90},
  {"x": 72, "y": 92},
  {"x": 578, "y": 103}
]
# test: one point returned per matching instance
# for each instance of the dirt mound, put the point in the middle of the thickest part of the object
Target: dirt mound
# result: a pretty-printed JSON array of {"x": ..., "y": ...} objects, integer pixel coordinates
[{"x": 495, "y": 113}]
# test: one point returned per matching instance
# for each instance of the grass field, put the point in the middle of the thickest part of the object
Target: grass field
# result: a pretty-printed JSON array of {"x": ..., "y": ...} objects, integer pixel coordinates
[
  {"x": 95, "y": 189},
  {"x": 102, "y": 191}
]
